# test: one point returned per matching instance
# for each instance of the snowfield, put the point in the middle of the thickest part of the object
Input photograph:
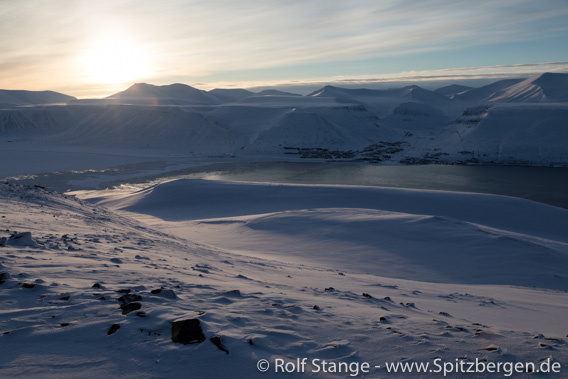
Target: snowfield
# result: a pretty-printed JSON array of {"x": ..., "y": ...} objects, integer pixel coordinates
[{"x": 346, "y": 275}]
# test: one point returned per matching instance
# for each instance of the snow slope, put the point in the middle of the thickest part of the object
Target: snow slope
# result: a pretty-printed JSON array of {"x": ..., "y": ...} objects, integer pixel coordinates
[
  {"x": 486, "y": 93},
  {"x": 452, "y": 90},
  {"x": 345, "y": 216},
  {"x": 31, "y": 122},
  {"x": 514, "y": 133},
  {"x": 66, "y": 311},
  {"x": 548, "y": 87},
  {"x": 125, "y": 126},
  {"x": 413, "y": 116}
]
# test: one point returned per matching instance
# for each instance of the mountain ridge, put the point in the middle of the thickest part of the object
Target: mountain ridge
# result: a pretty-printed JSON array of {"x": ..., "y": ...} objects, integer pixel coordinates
[{"x": 24, "y": 97}]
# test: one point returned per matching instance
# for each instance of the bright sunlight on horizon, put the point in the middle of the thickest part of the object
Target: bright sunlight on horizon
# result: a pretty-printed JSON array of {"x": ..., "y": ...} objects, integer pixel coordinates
[{"x": 113, "y": 59}]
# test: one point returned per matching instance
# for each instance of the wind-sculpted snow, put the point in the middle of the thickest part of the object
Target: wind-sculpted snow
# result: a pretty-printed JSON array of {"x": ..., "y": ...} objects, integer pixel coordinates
[
  {"x": 101, "y": 294},
  {"x": 183, "y": 200},
  {"x": 430, "y": 231}
]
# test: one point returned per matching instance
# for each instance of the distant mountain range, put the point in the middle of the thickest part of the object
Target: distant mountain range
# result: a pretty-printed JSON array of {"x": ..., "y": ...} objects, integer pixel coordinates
[
  {"x": 512, "y": 121},
  {"x": 548, "y": 87}
]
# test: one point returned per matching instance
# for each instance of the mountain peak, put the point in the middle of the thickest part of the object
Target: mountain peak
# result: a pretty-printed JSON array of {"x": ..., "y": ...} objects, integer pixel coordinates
[
  {"x": 171, "y": 94},
  {"x": 550, "y": 87},
  {"x": 21, "y": 97}
]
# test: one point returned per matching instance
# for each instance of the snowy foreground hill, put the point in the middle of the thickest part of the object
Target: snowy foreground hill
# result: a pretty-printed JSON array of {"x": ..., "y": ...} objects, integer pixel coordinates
[
  {"x": 209, "y": 279},
  {"x": 512, "y": 121}
]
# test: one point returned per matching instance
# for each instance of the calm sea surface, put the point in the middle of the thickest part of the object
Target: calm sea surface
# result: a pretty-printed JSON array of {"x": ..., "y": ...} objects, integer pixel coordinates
[{"x": 544, "y": 184}]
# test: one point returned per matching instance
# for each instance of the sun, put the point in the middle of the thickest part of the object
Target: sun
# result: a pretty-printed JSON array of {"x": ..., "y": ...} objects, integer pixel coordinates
[{"x": 113, "y": 60}]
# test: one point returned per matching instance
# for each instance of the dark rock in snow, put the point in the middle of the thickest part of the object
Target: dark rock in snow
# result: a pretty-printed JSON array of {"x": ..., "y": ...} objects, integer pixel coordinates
[
  {"x": 233, "y": 293},
  {"x": 28, "y": 285},
  {"x": 96, "y": 285},
  {"x": 141, "y": 257},
  {"x": 3, "y": 277},
  {"x": 21, "y": 239},
  {"x": 169, "y": 294},
  {"x": 217, "y": 341},
  {"x": 130, "y": 307},
  {"x": 113, "y": 329},
  {"x": 141, "y": 314},
  {"x": 187, "y": 331},
  {"x": 129, "y": 298},
  {"x": 65, "y": 298}
]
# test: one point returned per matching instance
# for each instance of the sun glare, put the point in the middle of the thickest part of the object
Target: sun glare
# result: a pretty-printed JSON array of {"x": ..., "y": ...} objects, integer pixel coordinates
[{"x": 115, "y": 60}]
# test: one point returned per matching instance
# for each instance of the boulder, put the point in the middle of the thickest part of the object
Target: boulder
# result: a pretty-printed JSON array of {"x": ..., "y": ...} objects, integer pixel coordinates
[
  {"x": 21, "y": 239},
  {"x": 187, "y": 331}
]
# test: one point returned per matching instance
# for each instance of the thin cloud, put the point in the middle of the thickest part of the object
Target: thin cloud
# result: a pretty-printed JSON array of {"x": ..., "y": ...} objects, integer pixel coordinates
[
  {"x": 194, "y": 41},
  {"x": 452, "y": 74}
]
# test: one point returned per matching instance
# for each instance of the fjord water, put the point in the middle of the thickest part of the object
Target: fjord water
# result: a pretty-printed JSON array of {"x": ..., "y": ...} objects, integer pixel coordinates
[
  {"x": 547, "y": 185},
  {"x": 543, "y": 184}
]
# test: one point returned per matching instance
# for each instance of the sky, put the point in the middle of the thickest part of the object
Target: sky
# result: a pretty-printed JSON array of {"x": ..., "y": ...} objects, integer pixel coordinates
[{"x": 96, "y": 48}]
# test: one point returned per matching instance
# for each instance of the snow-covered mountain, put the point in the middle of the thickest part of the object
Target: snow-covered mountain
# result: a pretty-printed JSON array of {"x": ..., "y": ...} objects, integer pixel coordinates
[
  {"x": 486, "y": 93},
  {"x": 524, "y": 134},
  {"x": 274, "y": 92},
  {"x": 509, "y": 121},
  {"x": 230, "y": 95},
  {"x": 452, "y": 90},
  {"x": 164, "y": 127},
  {"x": 409, "y": 93},
  {"x": 173, "y": 94},
  {"x": 17, "y": 98},
  {"x": 549, "y": 87}
]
